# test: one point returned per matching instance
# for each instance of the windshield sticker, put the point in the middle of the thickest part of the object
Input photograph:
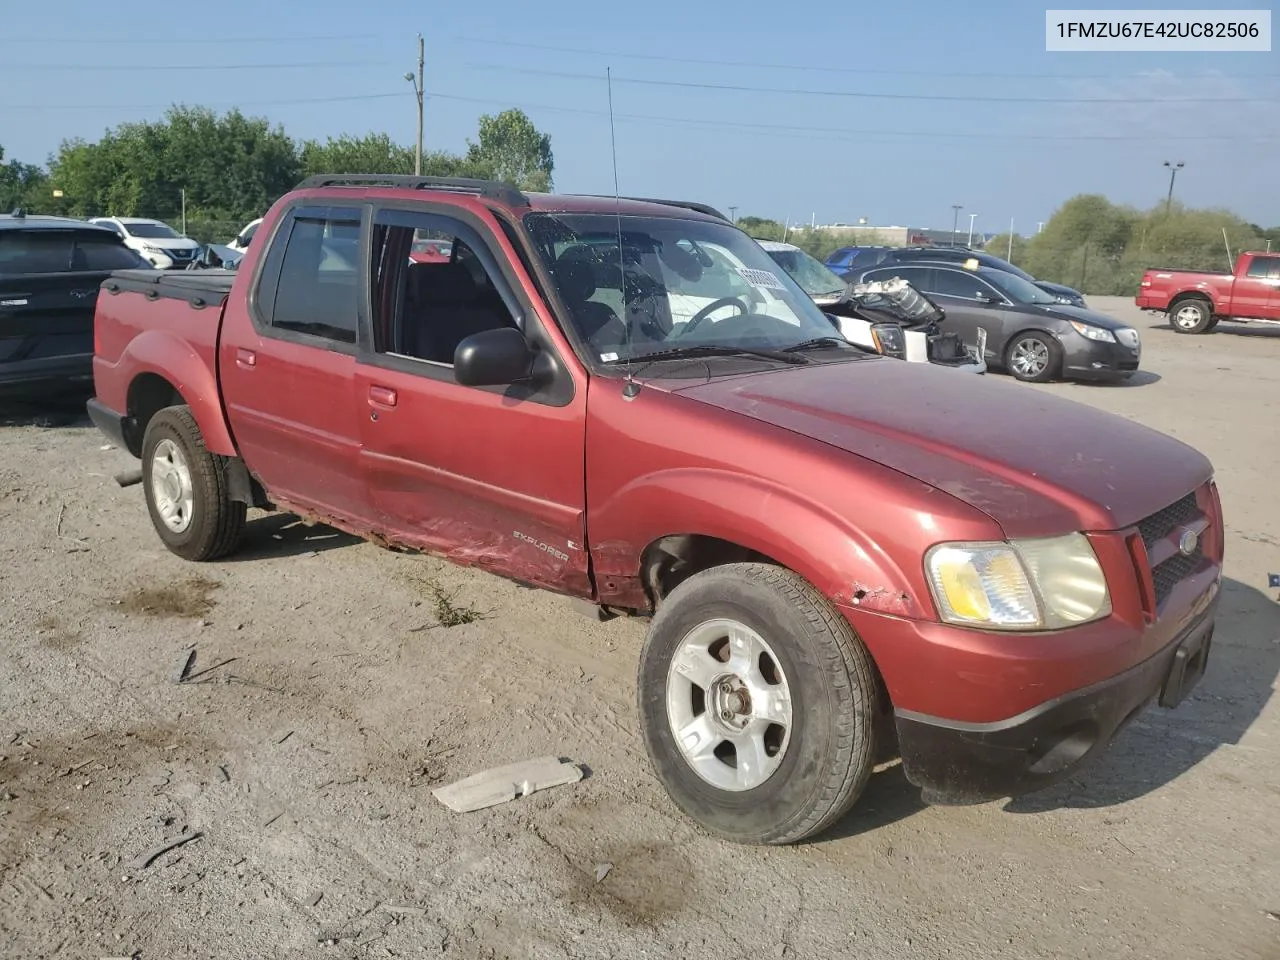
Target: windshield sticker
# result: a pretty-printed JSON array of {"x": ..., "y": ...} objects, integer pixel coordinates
[
  {"x": 761, "y": 278},
  {"x": 608, "y": 357}
]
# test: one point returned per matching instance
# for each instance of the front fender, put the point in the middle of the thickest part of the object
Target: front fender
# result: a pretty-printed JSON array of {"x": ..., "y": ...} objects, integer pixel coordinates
[
  {"x": 805, "y": 535},
  {"x": 169, "y": 356}
]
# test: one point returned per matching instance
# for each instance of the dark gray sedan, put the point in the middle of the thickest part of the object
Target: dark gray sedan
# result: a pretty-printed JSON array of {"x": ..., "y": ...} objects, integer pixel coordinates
[{"x": 1029, "y": 334}]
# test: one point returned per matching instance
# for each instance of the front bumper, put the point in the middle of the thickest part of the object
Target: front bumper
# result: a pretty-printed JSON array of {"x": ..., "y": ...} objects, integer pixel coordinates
[
  {"x": 1085, "y": 359},
  {"x": 955, "y": 762}
]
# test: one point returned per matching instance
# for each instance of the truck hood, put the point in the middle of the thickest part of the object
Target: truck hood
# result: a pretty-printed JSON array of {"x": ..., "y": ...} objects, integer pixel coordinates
[{"x": 1036, "y": 464}]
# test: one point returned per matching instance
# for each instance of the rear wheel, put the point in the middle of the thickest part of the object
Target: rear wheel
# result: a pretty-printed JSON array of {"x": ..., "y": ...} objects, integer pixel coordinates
[
  {"x": 1191, "y": 316},
  {"x": 1033, "y": 357},
  {"x": 186, "y": 489},
  {"x": 758, "y": 704}
]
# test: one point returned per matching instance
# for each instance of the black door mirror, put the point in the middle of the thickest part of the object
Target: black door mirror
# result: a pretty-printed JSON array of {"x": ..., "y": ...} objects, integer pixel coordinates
[
  {"x": 983, "y": 297},
  {"x": 493, "y": 358}
]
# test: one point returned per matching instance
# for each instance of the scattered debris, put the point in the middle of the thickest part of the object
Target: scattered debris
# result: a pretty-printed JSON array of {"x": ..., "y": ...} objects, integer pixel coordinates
[
  {"x": 79, "y": 766},
  {"x": 501, "y": 784},
  {"x": 127, "y": 478},
  {"x": 223, "y": 775},
  {"x": 285, "y": 737},
  {"x": 1272, "y": 914},
  {"x": 602, "y": 871},
  {"x": 315, "y": 900},
  {"x": 403, "y": 909},
  {"x": 147, "y": 857},
  {"x": 184, "y": 666},
  {"x": 273, "y": 817}
]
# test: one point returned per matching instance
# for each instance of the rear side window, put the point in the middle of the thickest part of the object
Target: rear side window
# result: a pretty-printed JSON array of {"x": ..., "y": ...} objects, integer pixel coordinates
[
  {"x": 35, "y": 251},
  {"x": 318, "y": 289},
  {"x": 106, "y": 252}
]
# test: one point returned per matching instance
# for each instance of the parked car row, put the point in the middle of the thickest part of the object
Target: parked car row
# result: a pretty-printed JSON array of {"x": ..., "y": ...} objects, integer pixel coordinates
[
  {"x": 841, "y": 556},
  {"x": 1011, "y": 323},
  {"x": 851, "y": 260}
]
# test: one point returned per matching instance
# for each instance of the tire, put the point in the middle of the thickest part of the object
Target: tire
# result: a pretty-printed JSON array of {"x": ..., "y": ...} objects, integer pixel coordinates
[
  {"x": 1033, "y": 357},
  {"x": 1212, "y": 323},
  {"x": 1192, "y": 315},
  {"x": 186, "y": 489},
  {"x": 812, "y": 660}
]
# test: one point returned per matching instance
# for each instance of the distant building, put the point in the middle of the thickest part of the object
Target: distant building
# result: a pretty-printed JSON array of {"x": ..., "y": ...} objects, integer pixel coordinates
[{"x": 865, "y": 235}]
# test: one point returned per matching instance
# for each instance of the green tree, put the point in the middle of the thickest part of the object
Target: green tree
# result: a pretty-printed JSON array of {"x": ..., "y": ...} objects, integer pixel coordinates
[
  {"x": 374, "y": 153},
  {"x": 23, "y": 185},
  {"x": 511, "y": 148},
  {"x": 999, "y": 246},
  {"x": 762, "y": 228}
]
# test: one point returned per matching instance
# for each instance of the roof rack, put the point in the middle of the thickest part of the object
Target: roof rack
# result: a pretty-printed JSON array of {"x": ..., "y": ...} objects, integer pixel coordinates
[
  {"x": 687, "y": 204},
  {"x": 491, "y": 189}
]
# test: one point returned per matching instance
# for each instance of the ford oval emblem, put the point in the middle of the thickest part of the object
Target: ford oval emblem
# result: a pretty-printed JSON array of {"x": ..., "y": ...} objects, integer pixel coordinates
[{"x": 1188, "y": 542}]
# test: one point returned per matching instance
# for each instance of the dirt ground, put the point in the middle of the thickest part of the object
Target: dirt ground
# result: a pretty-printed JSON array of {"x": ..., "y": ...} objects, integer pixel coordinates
[{"x": 334, "y": 683}]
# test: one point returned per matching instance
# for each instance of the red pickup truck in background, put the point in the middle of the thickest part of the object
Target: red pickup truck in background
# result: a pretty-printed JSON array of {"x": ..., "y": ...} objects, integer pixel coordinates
[
  {"x": 626, "y": 402},
  {"x": 1196, "y": 301}
]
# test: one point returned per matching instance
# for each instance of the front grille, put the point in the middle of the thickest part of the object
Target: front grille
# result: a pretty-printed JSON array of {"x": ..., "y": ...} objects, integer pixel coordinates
[
  {"x": 1163, "y": 522},
  {"x": 1173, "y": 571},
  {"x": 180, "y": 254},
  {"x": 1127, "y": 336},
  {"x": 1159, "y": 526}
]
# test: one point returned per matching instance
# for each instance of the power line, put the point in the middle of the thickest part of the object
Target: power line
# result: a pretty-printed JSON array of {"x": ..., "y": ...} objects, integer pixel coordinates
[
  {"x": 872, "y": 71},
  {"x": 189, "y": 67},
  {"x": 863, "y": 95},
  {"x": 168, "y": 41},
  {"x": 848, "y": 134},
  {"x": 225, "y": 104}
]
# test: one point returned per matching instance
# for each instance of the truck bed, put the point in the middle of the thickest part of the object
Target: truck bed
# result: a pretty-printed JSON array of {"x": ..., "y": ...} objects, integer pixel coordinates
[{"x": 200, "y": 287}]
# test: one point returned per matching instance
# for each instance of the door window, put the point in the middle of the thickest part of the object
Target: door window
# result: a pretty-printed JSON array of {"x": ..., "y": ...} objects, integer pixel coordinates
[
  {"x": 1265, "y": 268},
  {"x": 433, "y": 286},
  {"x": 961, "y": 283}
]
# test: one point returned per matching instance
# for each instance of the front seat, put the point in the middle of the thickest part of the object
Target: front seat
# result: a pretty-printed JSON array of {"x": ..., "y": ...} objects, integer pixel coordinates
[{"x": 576, "y": 277}]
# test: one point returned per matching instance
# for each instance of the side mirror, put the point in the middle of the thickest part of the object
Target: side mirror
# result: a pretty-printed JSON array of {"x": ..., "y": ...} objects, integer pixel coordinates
[
  {"x": 983, "y": 297},
  {"x": 493, "y": 358}
]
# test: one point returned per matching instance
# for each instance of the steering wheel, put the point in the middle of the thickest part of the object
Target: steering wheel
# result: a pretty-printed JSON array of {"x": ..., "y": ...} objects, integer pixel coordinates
[{"x": 711, "y": 308}]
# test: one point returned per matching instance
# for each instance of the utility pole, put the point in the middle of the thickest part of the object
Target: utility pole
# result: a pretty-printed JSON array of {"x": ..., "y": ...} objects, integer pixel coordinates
[
  {"x": 1039, "y": 226},
  {"x": 184, "y": 211},
  {"x": 1173, "y": 173},
  {"x": 733, "y": 214},
  {"x": 971, "y": 217},
  {"x": 417, "y": 89},
  {"x": 955, "y": 221},
  {"x": 1010, "y": 257}
]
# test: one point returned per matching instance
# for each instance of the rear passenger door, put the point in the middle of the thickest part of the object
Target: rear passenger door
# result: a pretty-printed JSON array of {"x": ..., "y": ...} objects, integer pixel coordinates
[
  {"x": 287, "y": 364},
  {"x": 490, "y": 476},
  {"x": 960, "y": 293},
  {"x": 49, "y": 281}
]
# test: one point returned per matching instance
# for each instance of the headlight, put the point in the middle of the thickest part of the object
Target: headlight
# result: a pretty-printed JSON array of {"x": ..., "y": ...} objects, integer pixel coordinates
[
  {"x": 1043, "y": 584},
  {"x": 1090, "y": 332},
  {"x": 889, "y": 340}
]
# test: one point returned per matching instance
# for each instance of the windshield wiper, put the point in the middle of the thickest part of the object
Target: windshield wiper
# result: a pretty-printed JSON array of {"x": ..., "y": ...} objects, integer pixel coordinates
[
  {"x": 715, "y": 350},
  {"x": 818, "y": 342}
]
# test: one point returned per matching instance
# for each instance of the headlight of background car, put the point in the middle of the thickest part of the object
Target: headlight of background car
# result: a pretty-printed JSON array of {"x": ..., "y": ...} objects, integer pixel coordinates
[
  {"x": 1090, "y": 332},
  {"x": 1043, "y": 584},
  {"x": 889, "y": 340}
]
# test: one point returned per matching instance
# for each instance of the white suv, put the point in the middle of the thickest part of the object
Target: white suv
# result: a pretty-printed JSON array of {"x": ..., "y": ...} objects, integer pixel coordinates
[{"x": 162, "y": 246}]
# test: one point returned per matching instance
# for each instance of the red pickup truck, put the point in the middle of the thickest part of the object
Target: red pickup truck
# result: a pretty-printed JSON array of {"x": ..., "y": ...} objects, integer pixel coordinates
[
  {"x": 626, "y": 402},
  {"x": 1195, "y": 301}
]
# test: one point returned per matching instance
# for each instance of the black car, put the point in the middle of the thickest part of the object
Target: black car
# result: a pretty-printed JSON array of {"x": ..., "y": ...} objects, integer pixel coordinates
[
  {"x": 50, "y": 270},
  {"x": 866, "y": 258},
  {"x": 1029, "y": 333}
]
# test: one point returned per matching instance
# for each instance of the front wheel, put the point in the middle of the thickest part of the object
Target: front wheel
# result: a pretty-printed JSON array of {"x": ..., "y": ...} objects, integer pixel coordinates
[
  {"x": 1191, "y": 316},
  {"x": 186, "y": 489},
  {"x": 758, "y": 704},
  {"x": 1033, "y": 357}
]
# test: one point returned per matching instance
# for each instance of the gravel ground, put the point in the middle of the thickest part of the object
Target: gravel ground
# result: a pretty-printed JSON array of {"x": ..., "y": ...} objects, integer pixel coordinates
[{"x": 327, "y": 696}]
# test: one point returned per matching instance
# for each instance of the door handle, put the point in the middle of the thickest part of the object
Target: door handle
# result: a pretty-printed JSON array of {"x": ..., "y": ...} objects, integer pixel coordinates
[
  {"x": 246, "y": 358},
  {"x": 382, "y": 396}
]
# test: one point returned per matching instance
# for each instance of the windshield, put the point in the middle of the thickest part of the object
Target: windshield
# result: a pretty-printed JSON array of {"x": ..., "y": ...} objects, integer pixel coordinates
[
  {"x": 1017, "y": 289},
  {"x": 151, "y": 231},
  {"x": 689, "y": 283},
  {"x": 814, "y": 278}
]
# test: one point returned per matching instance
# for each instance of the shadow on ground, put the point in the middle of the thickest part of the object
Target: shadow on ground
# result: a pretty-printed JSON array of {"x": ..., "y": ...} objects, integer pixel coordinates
[
  {"x": 1230, "y": 329},
  {"x": 1162, "y": 745},
  {"x": 284, "y": 535},
  {"x": 1140, "y": 378},
  {"x": 62, "y": 409}
]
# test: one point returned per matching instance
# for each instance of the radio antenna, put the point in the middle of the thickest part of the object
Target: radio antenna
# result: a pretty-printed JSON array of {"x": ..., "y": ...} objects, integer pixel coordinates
[{"x": 630, "y": 388}]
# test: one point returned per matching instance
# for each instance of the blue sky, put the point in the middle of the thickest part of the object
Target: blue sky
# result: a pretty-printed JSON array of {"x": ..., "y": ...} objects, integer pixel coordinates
[{"x": 76, "y": 68}]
